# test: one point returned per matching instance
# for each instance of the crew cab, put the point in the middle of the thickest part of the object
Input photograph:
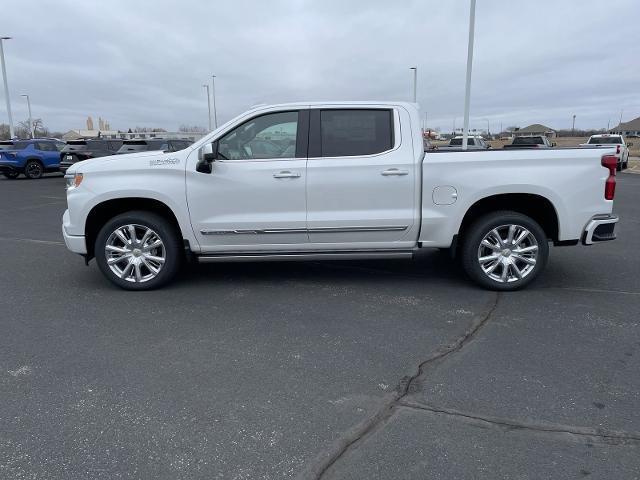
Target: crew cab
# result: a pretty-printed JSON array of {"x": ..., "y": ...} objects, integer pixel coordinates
[
  {"x": 608, "y": 140},
  {"x": 344, "y": 180},
  {"x": 30, "y": 157},
  {"x": 530, "y": 141},
  {"x": 473, "y": 143},
  {"x": 83, "y": 149}
]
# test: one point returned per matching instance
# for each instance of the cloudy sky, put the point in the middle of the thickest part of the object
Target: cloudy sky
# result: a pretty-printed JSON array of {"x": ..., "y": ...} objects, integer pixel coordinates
[{"x": 143, "y": 63}]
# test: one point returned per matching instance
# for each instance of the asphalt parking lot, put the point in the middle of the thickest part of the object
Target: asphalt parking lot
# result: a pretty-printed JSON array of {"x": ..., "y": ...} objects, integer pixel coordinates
[{"x": 350, "y": 370}]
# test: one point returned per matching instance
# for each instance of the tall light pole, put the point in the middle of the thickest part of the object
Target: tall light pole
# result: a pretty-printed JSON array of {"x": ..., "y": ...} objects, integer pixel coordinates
[
  {"x": 6, "y": 86},
  {"x": 208, "y": 103},
  {"x": 573, "y": 126},
  {"x": 33, "y": 135},
  {"x": 467, "y": 93},
  {"x": 488, "y": 127},
  {"x": 619, "y": 123},
  {"x": 215, "y": 112},
  {"x": 415, "y": 84}
]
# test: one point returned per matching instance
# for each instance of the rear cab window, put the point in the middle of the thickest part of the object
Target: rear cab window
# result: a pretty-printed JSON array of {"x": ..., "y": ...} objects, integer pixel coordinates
[
  {"x": 355, "y": 132},
  {"x": 612, "y": 140}
]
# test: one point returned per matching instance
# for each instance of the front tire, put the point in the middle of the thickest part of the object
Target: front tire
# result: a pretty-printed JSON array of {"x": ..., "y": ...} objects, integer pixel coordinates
[
  {"x": 138, "y": 250},
  {"x": 11, "y": 175},
  {"x": 33, "y": 170},
  {"x": 504, "y": 251}
]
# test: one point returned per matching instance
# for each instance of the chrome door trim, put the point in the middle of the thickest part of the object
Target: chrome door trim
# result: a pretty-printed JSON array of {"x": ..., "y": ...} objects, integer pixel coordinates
[
  {"x": 384, "y": 228},
  {"x": 253, "y": 231}
]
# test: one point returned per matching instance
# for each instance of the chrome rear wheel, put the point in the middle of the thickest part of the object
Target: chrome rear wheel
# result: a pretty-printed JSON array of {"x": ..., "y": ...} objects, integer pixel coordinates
[{"x": 508, "y": 253}]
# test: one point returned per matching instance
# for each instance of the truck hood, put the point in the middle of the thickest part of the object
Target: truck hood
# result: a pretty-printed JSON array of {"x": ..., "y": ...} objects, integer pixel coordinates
[{"x": 116, "y": 162}]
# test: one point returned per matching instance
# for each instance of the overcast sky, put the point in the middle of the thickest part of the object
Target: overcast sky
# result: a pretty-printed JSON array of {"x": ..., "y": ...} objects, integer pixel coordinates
[{"x": 143, "y": 63}]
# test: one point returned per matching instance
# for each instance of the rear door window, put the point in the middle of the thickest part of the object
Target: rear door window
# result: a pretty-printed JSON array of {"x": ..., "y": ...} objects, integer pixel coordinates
[{"x": 355, "y": 132}]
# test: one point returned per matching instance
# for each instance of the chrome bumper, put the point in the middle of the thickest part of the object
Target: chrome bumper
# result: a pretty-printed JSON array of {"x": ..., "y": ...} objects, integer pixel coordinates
[{"x": 600, "y": 229}]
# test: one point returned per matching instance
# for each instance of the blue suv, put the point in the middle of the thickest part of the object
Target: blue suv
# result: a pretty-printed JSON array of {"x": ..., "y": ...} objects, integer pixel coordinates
[{"x": 30, "y": 157}]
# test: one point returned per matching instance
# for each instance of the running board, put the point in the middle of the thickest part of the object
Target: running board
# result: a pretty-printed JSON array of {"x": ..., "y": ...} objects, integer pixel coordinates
[{"x": 306, "y": 256}]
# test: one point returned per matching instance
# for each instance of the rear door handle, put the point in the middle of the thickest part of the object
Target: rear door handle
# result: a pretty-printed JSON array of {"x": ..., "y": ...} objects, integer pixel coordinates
[
  {"x": 394, "y": 171},
  {"x": 286, "y": 174}
]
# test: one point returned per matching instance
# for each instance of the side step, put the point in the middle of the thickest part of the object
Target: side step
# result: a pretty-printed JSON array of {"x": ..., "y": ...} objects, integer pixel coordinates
[{"x": 305, "y": 256}]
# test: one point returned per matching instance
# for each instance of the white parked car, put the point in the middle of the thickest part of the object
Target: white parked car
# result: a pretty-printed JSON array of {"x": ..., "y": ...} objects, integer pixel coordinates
[
  {"x": 609, "y": 140},
  {"x": 474, "y": 142},
  {"x": 334, "y": 181}
]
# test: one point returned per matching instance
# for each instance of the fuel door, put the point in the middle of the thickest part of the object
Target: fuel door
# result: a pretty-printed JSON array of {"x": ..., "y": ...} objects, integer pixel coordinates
[{"x": 444, "y": 195}]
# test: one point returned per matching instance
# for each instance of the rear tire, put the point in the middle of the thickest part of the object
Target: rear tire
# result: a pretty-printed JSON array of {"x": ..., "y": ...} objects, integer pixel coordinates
[
  {"x": 138, "y": 250},
  {"x": 504, "y": 251},
  {"x": 33, "y": 169}
]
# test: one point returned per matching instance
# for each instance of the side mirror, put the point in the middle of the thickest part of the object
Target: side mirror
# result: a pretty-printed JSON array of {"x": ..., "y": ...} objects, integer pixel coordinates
[
  {"x": 206, "y": 156},
  {"x": 553, "y": 144}
]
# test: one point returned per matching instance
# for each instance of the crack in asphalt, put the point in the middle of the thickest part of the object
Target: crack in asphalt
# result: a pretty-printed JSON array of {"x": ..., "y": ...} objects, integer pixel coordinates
[
  {"x": 351, "y": 437},
  {"x": 586, "y": 434}
]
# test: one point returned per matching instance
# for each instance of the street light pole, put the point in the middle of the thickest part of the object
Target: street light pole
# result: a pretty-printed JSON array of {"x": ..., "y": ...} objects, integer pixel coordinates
[
  {"x": 33, "y": 135},
  {"x": 208, "y": 104},
  {"x": 215, "y": 112},
  {"x": 415, "y": 84},
  {"x": 467, "y": 94},
  {"x": 488, "y": 127},
  {"x": 6, "y": 86},
  {"x": 573, "y": 126}
]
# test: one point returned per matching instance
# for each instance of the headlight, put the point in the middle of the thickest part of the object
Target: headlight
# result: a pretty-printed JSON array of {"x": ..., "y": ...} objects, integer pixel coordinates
[{"x": 73, "y": 180}]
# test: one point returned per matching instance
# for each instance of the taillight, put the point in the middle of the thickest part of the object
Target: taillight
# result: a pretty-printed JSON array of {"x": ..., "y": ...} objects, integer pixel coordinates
[{"x": 610, "y": 162}]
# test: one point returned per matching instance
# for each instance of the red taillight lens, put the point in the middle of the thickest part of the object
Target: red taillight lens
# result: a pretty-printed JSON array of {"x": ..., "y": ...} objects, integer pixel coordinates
[{"x": 611, "y": 163}]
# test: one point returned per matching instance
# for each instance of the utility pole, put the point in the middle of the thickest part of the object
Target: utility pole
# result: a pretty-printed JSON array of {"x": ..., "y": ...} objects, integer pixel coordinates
[
  {"x": 215, "y": 112},
  {"x": 415, "y": 84},
  {"x": 6, "y": 87},
  {"x": 206, "y": 86},
  {"x": 33, "y": 135},
  {"x": 573, "y": 126},
  {"x": 467, "y": 94},
  {"x": 619, "y": 123}
]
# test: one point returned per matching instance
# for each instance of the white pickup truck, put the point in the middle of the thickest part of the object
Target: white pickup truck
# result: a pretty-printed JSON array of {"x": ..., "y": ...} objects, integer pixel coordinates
[
  {"x": 612, "y": 141},
  {"x": 334, "y": 181}
]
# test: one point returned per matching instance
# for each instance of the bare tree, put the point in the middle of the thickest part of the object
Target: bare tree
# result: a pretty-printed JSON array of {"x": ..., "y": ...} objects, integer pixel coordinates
[{"x": 192, "y": 129}]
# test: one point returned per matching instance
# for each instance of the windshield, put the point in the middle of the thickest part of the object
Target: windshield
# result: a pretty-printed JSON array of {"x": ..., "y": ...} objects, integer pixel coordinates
[
  {"x": 528, "y": 141},
  {"x": 605, "y": 140},
  {"x": 142, "y": 145}
]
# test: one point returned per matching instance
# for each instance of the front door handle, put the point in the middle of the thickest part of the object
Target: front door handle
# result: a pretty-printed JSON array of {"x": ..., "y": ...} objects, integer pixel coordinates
[
  {"x": 286, "y": 174},
  {"x": 394, "y": 171}
]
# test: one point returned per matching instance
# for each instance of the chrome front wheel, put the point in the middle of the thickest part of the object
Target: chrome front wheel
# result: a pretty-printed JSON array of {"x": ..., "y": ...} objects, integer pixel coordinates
[
  {"x": 135, "y": 253},
  {"x": 139, "y": 250}
]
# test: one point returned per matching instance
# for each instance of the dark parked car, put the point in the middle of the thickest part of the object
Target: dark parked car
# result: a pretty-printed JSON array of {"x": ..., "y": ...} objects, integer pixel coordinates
[
  {"x": 31, "y": 157},
  {"x": 143, "y": 145},
  {"x": 78, "y": 150},
  {"x": 531, "y": 141}
]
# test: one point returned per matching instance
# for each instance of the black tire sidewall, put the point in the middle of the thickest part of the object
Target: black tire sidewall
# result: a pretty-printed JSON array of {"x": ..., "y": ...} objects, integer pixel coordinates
[
  {"x": 476, "y": 232},
  {"x": 162, "y": 227},
  {"x": 26, "y": 169}
]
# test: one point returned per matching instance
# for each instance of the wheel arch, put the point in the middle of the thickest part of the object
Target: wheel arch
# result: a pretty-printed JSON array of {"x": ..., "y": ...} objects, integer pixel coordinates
[
  {"x": 107, "y": 209},
  {"x": 538, "y": 207}
]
